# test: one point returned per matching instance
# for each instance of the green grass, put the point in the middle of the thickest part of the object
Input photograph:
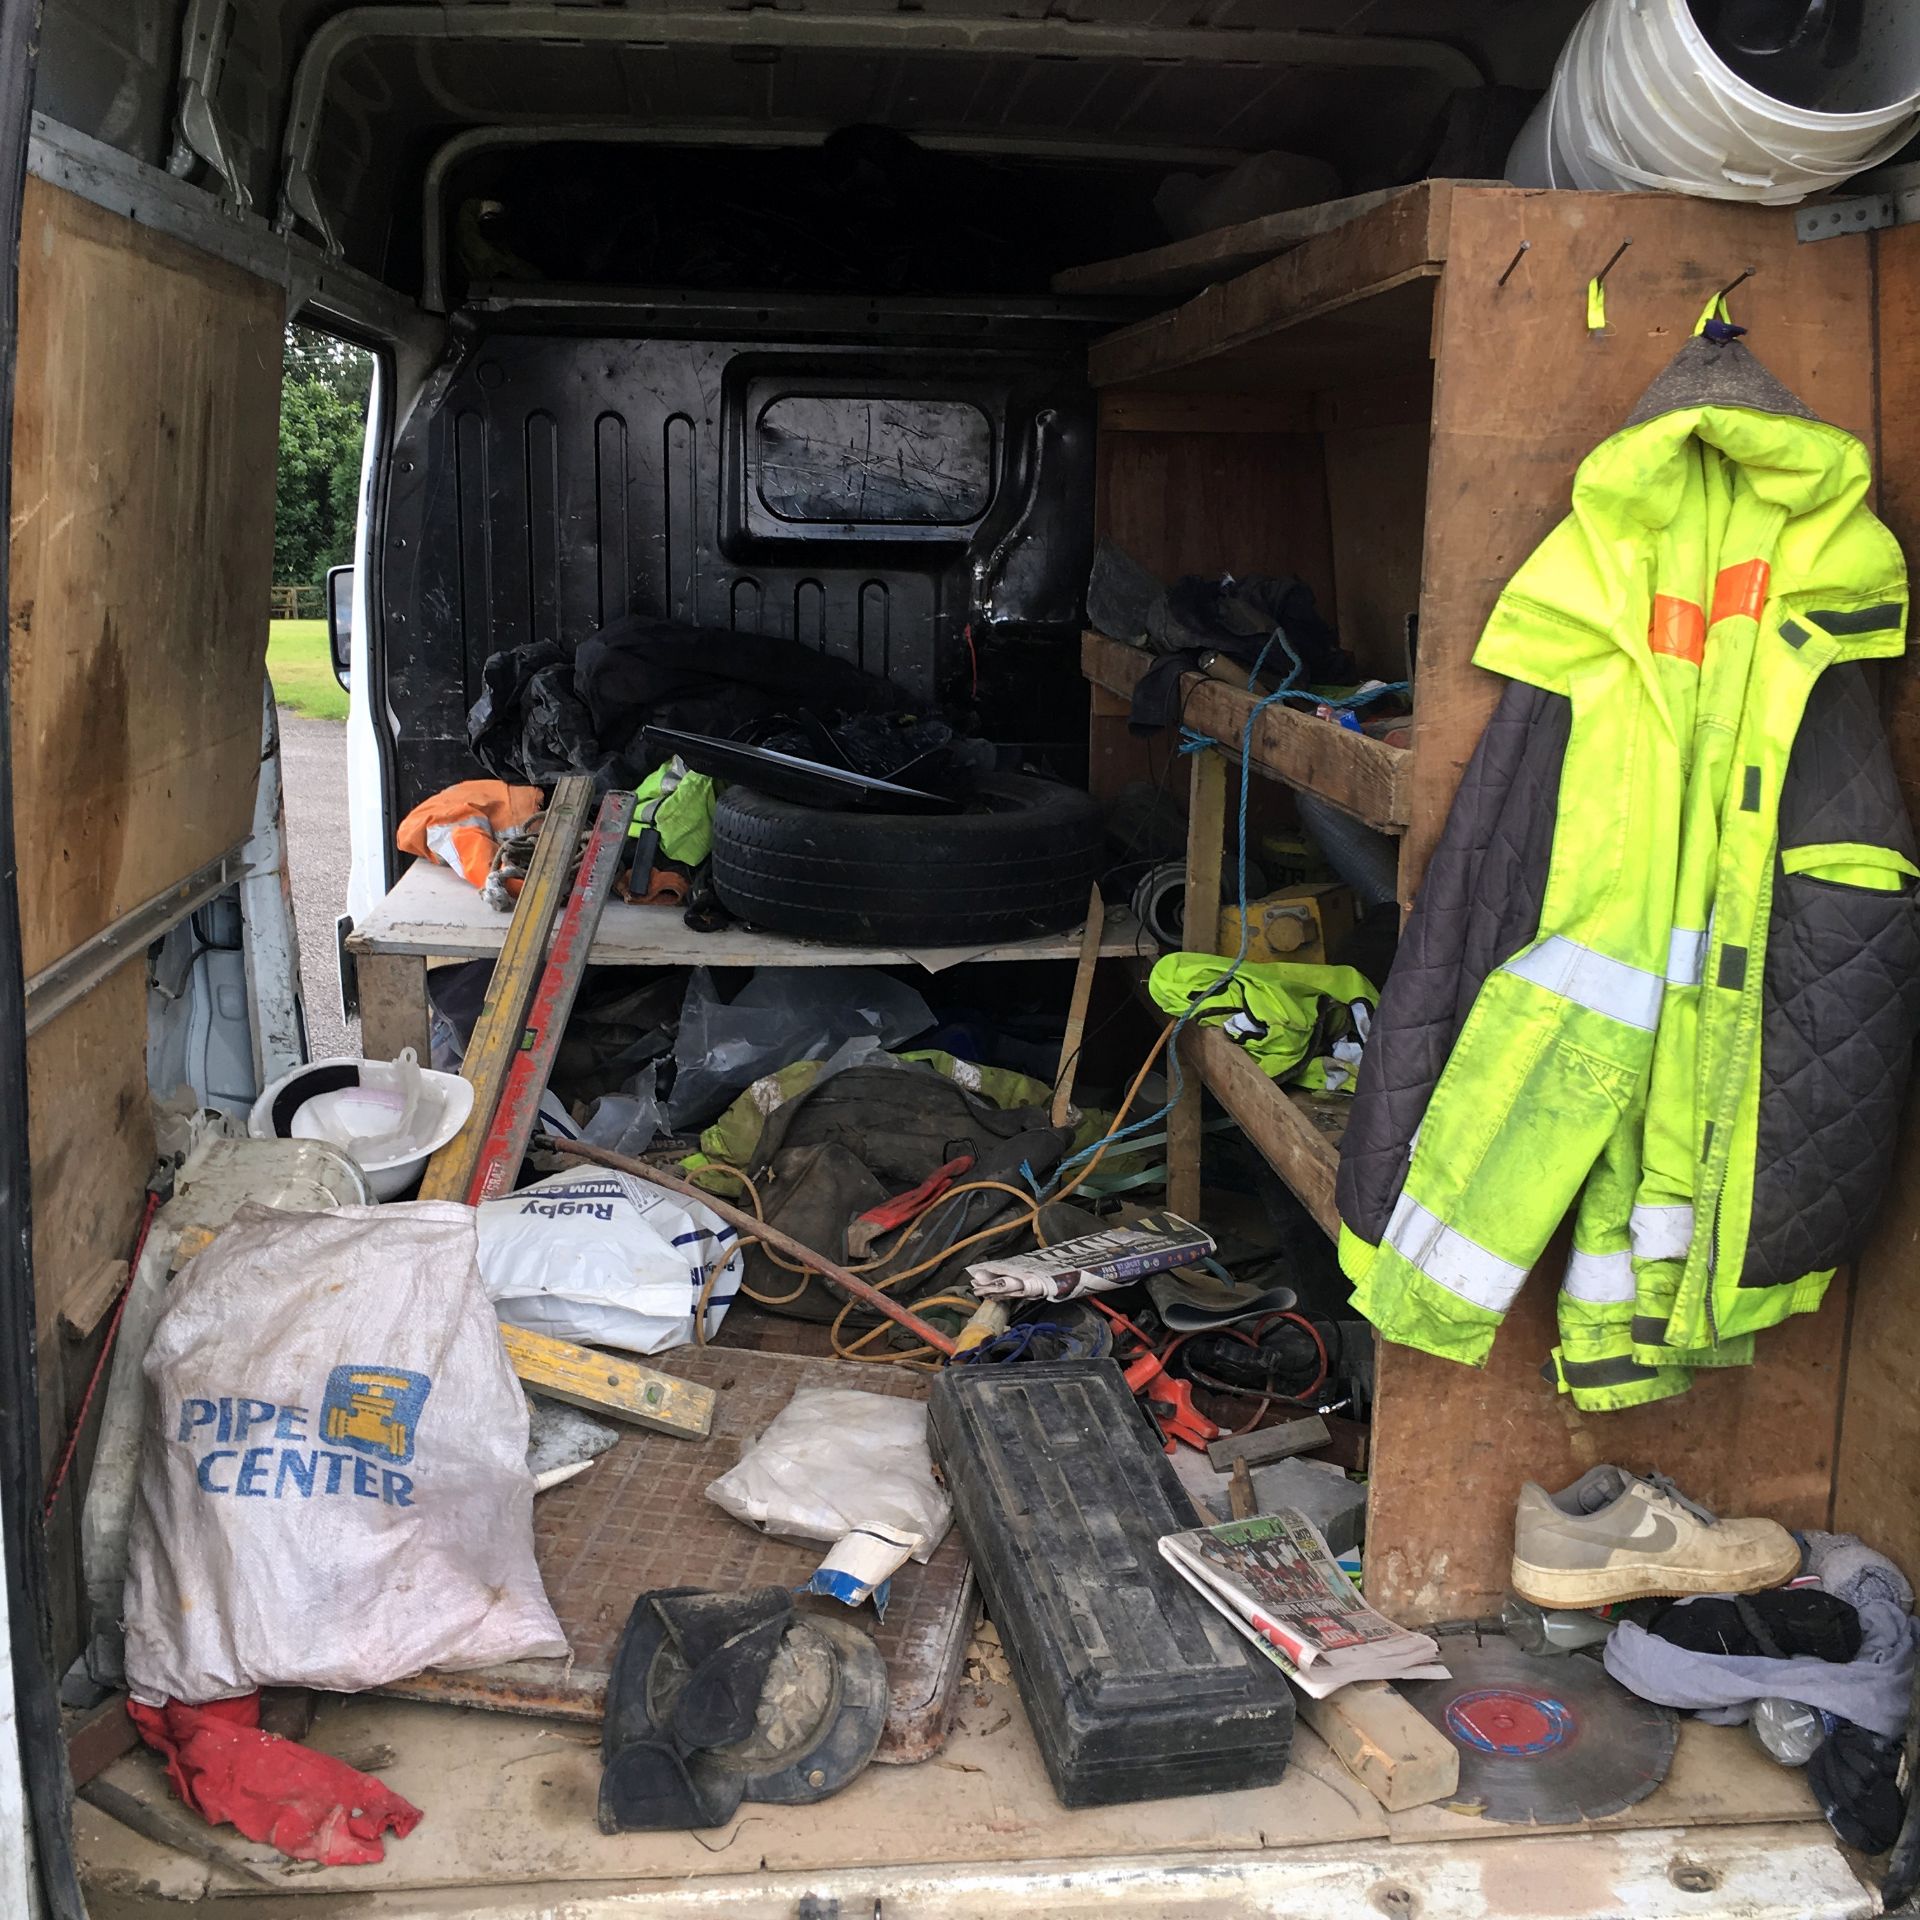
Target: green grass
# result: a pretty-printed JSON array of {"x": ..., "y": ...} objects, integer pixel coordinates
[{"x": 302, "y": 669}]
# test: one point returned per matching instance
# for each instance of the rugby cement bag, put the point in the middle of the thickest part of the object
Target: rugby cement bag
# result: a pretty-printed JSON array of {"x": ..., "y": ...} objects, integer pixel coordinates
[
  {"x": 333, "y": 1483},
  {"x": 606, "y": 1259}
]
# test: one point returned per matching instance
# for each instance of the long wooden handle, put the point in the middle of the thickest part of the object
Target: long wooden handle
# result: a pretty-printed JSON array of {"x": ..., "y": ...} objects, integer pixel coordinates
[{"x": 850, "y": 1283}]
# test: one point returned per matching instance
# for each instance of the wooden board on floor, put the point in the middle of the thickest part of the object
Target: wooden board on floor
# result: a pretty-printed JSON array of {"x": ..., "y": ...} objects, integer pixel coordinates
[
  {"x": 639, "y": 1518},
  {"x": 146, "y": 424},
  {"x": 518, "y": 1810}
]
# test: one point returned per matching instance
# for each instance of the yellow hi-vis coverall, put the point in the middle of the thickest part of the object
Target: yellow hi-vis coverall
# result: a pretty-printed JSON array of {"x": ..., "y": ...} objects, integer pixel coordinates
[{"x": 1664, "y": 967}]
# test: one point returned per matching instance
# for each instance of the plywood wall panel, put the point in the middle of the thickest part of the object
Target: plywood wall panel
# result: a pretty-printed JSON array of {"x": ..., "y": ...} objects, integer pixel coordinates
[{"x": 146, "y": 425}]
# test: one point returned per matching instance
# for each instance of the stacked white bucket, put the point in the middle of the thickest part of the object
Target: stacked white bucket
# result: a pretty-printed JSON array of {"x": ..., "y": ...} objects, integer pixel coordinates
[{"x": 1640, "y": 102}]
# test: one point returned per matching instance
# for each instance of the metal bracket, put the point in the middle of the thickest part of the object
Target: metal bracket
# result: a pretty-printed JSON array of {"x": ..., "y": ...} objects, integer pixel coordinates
[
  {"x": 1861, "y": 213},
  {"x": 198, "y": 134},
  {"x": 1889, "y": 197}
]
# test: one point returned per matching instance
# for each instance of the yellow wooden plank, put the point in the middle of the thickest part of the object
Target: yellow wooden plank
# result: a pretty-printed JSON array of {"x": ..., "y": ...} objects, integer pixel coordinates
[
  {"x": 516, "y": 974},
  {"x": 607, "y": 1383}
]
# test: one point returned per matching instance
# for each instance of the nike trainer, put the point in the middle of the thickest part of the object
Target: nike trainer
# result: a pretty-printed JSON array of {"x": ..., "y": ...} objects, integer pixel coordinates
[{"x": 1614, "y": 1536}]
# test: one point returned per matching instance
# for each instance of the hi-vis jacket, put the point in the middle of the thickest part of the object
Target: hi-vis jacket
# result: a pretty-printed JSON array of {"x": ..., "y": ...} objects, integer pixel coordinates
[{"x": 1665, "y": 967}]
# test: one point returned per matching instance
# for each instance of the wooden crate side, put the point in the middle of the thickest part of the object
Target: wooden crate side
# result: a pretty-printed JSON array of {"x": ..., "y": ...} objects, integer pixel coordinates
[
  {"x": 1877, "y": 1478},
  {"x": 1522, "y": 393},
  {"x": 1402, "y": 239}
]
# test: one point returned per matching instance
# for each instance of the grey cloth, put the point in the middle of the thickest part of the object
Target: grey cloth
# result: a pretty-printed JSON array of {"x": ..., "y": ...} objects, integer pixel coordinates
[
  {"x": 1873, "y": 1690},
  {"x": 1850, "y": 1570}
]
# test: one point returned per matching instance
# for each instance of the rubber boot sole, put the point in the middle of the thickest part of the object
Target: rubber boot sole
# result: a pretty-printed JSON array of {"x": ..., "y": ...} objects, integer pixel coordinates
[{"x": 1643, "y": 1580}]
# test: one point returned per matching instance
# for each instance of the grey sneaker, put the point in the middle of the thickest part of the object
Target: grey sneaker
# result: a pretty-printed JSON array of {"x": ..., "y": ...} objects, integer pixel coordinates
[{"x": 1613, "y": 1536}]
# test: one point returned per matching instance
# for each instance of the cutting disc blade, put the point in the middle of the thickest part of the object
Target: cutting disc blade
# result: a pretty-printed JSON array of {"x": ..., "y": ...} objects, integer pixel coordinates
[{"x": 1543, "y": 1740}]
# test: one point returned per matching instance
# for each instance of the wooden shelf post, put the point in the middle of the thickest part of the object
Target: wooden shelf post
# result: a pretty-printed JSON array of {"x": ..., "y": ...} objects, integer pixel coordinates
[{"x": 1200, "y": 933}]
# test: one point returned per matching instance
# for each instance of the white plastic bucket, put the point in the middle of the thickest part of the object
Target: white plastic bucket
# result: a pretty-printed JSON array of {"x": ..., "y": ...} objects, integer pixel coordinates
[{"x": 1641, "y": 102}]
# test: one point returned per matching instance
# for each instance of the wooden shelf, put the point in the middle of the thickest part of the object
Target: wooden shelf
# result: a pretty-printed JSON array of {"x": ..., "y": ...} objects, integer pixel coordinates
[
  {"x": 1336, "y": 310},
  {"x": 1298, "y": 1134},
  {"x": 1365, "y": 777}
]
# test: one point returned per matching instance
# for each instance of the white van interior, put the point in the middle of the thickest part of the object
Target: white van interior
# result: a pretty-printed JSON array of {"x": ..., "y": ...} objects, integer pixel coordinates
[{"x": 645, "y": 284}]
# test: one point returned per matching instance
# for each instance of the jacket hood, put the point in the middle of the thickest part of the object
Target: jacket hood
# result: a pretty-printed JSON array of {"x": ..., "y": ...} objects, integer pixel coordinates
[{"x": 1715, "y": 373}]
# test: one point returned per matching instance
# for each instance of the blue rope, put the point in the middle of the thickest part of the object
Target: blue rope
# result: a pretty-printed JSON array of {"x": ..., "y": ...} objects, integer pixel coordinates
[{"x": 1192, "y": 742}]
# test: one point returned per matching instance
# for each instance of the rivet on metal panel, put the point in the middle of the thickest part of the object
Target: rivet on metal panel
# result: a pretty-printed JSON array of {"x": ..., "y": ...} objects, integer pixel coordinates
[{"x": 1691, "y": 1877}]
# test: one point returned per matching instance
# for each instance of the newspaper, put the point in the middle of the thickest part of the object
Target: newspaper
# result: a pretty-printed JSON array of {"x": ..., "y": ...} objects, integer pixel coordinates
[
  {"x": 1276, "y": 1579},
  {"x": 1095, "y": 1263}
]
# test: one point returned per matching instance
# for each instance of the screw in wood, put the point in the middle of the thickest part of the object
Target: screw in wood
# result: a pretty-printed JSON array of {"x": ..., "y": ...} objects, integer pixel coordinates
[{"x": 1525, "y": 246}]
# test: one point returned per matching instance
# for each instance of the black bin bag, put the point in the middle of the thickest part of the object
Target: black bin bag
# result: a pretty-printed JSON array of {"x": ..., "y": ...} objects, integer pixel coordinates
[{"x": 1136, "y": 1686}]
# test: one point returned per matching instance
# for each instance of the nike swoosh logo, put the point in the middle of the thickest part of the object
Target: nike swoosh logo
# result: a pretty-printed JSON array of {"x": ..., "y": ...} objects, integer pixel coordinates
[{"x": 1654, "y": 1532}]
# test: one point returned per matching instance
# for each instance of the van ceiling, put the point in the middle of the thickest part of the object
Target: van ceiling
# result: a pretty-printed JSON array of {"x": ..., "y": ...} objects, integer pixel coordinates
[{"x": 327, "y": 117}]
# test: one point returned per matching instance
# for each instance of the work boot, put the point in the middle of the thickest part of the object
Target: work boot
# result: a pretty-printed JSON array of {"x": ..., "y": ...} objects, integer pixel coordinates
[{"x": 1614, "y": 1536}]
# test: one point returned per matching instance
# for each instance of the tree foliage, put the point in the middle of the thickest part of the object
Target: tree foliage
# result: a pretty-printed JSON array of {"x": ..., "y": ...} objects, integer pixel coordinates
[{"x": 323, "y": 410}]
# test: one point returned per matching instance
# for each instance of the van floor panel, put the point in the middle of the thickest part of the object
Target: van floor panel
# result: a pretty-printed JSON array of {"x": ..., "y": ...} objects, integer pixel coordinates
[
  {"x": 511, "y": 1801},
  {"x": 639, "y": 1518}
]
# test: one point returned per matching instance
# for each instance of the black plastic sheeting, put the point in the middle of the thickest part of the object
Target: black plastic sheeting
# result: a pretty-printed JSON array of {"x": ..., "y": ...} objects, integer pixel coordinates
[{"x": 921, "y": 511}]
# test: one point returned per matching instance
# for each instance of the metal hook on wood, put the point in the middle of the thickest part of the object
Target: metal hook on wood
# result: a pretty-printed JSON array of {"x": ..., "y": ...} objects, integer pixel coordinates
[
  {"x": 1746, "y": 274},
  {"x": 1600, "y": 278},
  {"x": 1524, "y": 247}
]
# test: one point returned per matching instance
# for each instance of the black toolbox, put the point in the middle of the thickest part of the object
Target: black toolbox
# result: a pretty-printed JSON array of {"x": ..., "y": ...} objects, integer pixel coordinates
[{"x": 1137, "y": 1687}]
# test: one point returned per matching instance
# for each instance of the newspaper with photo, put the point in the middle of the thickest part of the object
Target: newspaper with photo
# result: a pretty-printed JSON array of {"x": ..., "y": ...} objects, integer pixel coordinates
[{"x": 1276, "y": 1580}]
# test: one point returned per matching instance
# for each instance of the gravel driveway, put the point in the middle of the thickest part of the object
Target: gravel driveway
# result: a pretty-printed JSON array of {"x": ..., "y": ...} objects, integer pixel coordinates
[{"x": 313, "y": 759}]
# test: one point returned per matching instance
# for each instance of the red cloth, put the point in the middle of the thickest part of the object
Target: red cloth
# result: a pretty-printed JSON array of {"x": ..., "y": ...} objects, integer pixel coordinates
[{"x": 309, "y": 1805}]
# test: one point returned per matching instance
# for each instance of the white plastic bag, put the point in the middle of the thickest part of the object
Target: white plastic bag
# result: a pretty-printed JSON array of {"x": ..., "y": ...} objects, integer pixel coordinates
[
  {"x": 835, "y": 1459},
  {"x": 605, "y": 1258},
  {"x": 334, "y": 1489}
]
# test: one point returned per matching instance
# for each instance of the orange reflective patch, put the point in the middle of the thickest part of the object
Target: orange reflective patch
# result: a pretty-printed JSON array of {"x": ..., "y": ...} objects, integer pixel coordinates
[
  {"x": 1741, "y": 589},
  {"x": 1679, "y": 628}
]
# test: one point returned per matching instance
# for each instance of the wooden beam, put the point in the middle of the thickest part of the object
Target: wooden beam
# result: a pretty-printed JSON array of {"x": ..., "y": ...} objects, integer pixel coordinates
[
  {"x": 610, "y": 1384},
  {"x": 1076, "y": 1033},
  {"x": 1185, "y": 266},
  {"x": 1402, "y": 239},
  {"x": 1298, "y": 1135},
  {"x": 1399, "y": 1756},
  {"x": 1363, "y": 776},
  {"x": 1282, "y": 1442},
  {"x": 1206, "y": 837},
  {"x": 394, "y": 1013}
]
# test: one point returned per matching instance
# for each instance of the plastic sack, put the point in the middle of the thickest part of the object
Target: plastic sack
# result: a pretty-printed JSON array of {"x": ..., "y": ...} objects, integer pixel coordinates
[
  {"x": 781, "y": 1015},
  {"x": 627, "y": 1121},
  {"x": 334, "y": 1490},
  {"x": 834, "y": 1459},
  {"x": 606, "y": 1259}
]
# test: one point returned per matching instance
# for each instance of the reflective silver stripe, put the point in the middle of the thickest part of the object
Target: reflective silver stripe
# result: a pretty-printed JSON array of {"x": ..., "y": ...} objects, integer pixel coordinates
[
  {"x": 1600, "y": 1279},
  {"x": 440, "y": 841},
  {"x": 1630, "y": 995},
  {"x": 1686, "y": 956},
  {"x": 1449, "y": 1259},
  {"x": 1661, "y": 1233}
]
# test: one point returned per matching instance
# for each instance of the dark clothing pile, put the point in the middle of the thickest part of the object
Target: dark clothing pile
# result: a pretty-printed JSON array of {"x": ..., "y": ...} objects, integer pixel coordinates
[
  {"x": 1241, "y": 618},
  {"x": 868, "y": 1133},
  {"x": 548, "y": 710},
  {"x": 1845, "y": 1648}
]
